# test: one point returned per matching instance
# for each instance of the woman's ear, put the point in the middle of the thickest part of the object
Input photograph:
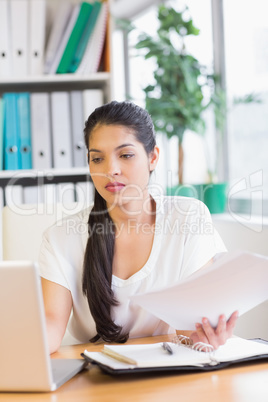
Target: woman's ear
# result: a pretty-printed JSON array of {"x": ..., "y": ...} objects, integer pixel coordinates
[{"x": 153, "y": 158}]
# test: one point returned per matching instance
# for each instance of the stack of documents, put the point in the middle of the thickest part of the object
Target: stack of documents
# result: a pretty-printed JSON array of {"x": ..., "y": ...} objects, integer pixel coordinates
[{"x": 77, "y": 38}]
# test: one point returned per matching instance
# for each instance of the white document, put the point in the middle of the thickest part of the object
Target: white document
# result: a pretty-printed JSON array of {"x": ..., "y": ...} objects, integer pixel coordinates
[
  {"x": 59, "y": 25},
  {"x": 236, "y": 281},
  {"x": 19, "y": 36},
  {"x": 92, "y": 98},
  {"x": 37, "y": 36},
  {"x": 64, "y": 40},
  {"x": 61, "y": 129},
  {"x": 91, "y": 59},
  {"x": 5, "y": 45},
  {"x": 41, "y": 135},
  {"x": 78, "y": 123}
]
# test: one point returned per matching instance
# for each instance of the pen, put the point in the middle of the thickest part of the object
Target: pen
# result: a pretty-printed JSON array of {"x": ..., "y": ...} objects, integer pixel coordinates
[{"x": 167, "y": 347}]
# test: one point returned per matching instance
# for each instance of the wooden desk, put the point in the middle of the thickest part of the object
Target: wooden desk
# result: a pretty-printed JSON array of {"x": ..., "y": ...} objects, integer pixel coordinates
[{"x": 244, "y": 383}]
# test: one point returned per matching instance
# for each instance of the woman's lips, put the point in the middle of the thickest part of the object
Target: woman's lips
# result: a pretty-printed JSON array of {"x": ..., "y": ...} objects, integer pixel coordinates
[{"x": 114, "y": 187}]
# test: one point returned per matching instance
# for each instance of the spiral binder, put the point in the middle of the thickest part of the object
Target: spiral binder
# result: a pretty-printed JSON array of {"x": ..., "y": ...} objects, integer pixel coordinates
[{"x": 187, "y": 342}]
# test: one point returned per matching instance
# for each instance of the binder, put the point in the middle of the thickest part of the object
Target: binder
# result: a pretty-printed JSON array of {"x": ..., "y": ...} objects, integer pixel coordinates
[
  {"x": 25, "y": 149},
  {"x": 59, "y": 25},
  {"x": 77, "y": 120},
  {"x": 176, "y": 356},
  {"x": 93, "y": 52},
  {"x": 1, "y": 132},
  {"x": 61, "y": 129},
  {"x": 40, "y": 129},
  {"x": 37, "y": 26},
  {"x": 5, "y": 46},
  {"x": 14, "y": 195},
  {"x": 80, "y": 50},
  {"x": 11, "y": 133},
  {"x": 19, "y": 36},
  {"x": 65, "y": 39},
  {"x": 65, "y": 193},
  {"x": 85, "y": 192},
  {"x": 31, "y": 195},
  {"x": 49, "y": 194},
  {"x": 65, "y": 62},
  {"x": 92, "y": 98}
]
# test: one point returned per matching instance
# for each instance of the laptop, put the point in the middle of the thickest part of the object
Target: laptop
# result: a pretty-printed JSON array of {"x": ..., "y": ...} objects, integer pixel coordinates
[{"x": 25, "y": 363}]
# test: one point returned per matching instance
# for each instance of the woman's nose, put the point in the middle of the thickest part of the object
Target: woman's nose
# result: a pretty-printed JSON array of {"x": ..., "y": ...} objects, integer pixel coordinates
[{"x": 113, "y": 168}]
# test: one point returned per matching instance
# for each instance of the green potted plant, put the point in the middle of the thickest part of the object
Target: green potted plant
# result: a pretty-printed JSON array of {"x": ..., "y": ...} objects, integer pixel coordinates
[{"x": 175, "y": 100}]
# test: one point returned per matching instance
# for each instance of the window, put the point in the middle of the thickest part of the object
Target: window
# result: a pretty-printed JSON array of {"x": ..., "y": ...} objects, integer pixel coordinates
[{"x": 246, "y": 66}]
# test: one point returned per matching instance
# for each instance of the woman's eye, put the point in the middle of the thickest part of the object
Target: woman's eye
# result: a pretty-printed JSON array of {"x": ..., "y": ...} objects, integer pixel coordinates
[
  {"x": 96, "y": 160},
  {"x": 127, "y": 156}
]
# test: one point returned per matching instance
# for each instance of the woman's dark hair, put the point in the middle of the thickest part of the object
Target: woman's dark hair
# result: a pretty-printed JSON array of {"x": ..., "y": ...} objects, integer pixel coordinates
[{"x": 98, "y": 259}]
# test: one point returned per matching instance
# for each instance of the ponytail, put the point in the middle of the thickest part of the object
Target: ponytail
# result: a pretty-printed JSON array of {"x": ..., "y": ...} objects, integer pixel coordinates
[
  {"x": 98, "y": 260},
  {"x": 97, "y": 272}
]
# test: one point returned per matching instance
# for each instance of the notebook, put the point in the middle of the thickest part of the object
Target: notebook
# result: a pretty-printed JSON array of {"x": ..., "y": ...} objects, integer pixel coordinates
[
  {"x": 25, "y": 364},
  {"x": 176, "y": 355}
]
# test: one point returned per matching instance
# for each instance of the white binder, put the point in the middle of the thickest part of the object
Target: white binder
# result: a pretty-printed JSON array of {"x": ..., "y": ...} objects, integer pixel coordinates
[
  {"x": 61, "y": 129},
  {"x": 41, "y": 135},
  {"x": 78, "y": 123},
  {"x": 59, "y": 25},
  {"x": 65, "y": 193},
  {"x": 64, "y": 40},
  {"x": 14, "y": 195},
  {"x": 85, "y": 193},
  {"x": 19, "y": 36},
  {"x": 5, "y": 46},
  {"x": 92, "y": 98},
  {"x": 37, "y": 35}
]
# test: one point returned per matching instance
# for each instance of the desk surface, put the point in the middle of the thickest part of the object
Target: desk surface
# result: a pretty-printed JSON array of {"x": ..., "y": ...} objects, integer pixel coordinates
[{"x": 244, "y": 383}]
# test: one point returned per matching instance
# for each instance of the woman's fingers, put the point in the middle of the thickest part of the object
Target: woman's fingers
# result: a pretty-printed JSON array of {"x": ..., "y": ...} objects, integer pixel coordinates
[
  {"x": 215, "y": 337},
  {"x": 231, "y": 323}
]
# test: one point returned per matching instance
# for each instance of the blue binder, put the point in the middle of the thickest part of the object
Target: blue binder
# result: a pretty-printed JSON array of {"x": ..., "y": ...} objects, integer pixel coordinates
[
  {"x": 25, "y": 150},
  {"x": 11, "y": 133},
  {"x": 1, "y": 132}
]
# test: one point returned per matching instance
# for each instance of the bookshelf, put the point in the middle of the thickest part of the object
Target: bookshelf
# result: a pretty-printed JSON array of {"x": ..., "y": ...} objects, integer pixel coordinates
[{"x": 49, "y": 83}]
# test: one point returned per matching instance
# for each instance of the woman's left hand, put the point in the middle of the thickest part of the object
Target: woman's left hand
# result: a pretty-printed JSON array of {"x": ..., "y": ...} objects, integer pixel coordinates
[{"x": 214, "y": 336}]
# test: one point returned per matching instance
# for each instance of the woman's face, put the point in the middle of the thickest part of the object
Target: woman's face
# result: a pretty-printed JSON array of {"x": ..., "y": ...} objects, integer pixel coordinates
[{"x": 119, "y": 165}]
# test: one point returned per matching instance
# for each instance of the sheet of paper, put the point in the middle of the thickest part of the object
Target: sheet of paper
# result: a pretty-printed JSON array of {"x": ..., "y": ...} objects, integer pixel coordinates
[{"x": 236, "y": 281}]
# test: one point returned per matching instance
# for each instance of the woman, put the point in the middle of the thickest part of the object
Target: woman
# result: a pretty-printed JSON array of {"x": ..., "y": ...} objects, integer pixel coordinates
[{"x": 129, "y": 242}]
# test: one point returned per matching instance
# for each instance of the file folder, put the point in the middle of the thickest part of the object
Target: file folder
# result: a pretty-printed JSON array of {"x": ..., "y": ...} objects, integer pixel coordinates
[
  {"x": 19, "y": 36},
  {"x": 37, "y": 35},
  {"x": 41, "y": 133},
  {"x": 65, "y": 39},
  {"x": 25, "y": 130},
  {"x": 77, "y": 117},
  {"x": 11, "y": 133},
  {"x": 65, "y": 62},
  {"x": 81, "y": 47},
  {"x": 59, "y": 25},
  {"x": 61, "y": 129},
  {"x": 5, "y": 45}
]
